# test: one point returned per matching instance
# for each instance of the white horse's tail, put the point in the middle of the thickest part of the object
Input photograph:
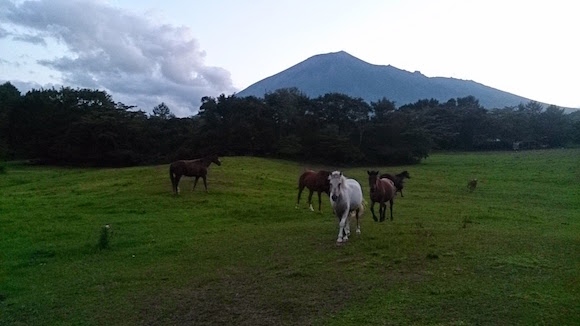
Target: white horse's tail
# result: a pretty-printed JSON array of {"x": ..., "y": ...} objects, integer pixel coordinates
[
  {"x": 363, "y": 206},
  {"x": 361, "y": 211}
]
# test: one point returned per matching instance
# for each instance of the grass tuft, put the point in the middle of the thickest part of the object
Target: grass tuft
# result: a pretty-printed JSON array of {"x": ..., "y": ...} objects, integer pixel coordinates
[{"x": 104, "y": 237}]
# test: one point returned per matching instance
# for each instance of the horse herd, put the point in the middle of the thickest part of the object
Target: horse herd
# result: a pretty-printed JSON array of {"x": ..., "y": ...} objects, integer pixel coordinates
[{"x": 345, "y": 194}]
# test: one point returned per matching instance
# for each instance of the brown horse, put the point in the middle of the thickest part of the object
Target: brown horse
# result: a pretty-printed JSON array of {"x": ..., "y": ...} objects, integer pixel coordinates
[
  {"x": 398, "y": 179},
  {"x": 191, "y": 168},
  {"x": 382, "y": 190},
  {"x": 314, "y": 181}
]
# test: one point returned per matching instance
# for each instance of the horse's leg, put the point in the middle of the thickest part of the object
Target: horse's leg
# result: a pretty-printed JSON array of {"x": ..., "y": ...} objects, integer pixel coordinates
[
  {"x": 300, "y": 188},
  {"x": 341, "y": 226},
  {"x": 357, "y": 221},
  {"x": 382, "y": 209},
  {"x": 347, "y": 226},
  {"x": 319, "y": 203},
  {"x": 391, "y": 206},
  {"x": 195, "y": 182},
  {"x": 310, "y": 200},
  {"x": 204, "y": 182},
  {"x": 401, "y": 191},
  {"x": 373, "y": 211}
]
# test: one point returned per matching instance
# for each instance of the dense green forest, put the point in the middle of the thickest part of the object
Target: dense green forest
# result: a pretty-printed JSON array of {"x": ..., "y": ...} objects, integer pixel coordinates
[{"x": 86, "y": 127}]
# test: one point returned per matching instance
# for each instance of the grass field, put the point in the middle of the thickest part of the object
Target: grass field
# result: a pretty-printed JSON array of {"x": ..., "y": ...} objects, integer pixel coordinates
[{"x": 241, "y": 254}]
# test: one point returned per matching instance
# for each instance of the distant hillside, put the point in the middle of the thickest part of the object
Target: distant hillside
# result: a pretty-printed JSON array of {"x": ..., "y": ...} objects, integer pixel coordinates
[{"x": 342, "y": 73}]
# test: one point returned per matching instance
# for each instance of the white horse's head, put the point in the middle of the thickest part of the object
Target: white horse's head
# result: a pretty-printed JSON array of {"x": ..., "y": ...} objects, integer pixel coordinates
[{"x": 336, "y": 183}]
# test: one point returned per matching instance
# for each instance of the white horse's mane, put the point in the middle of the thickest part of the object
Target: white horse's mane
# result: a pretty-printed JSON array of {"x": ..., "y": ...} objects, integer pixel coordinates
[{"x": 337, "y": 174}]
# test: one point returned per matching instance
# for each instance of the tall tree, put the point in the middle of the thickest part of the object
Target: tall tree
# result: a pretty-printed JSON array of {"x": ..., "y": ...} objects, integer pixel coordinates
[
  {"x": 9, "y": 100},
  {"x": 162, "y": 111}
]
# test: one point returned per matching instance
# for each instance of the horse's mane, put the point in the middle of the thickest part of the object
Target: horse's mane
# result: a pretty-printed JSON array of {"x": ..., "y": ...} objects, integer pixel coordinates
[
  {"x": 336, "y": 174},
  {"x": 204, "y": 158},
  {"x": 324, "y": 173},
  {"x": 398, "y": 179},
  {"x": 403, "y": 175}
]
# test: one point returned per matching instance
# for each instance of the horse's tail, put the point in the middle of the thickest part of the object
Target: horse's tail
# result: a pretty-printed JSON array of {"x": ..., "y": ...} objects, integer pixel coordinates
[
  {"x": 361, "y": 209},
  {"x": 363, "y": 206},
  {"x": 301, "y": 180},
  {"x": 172, "y": 176}
]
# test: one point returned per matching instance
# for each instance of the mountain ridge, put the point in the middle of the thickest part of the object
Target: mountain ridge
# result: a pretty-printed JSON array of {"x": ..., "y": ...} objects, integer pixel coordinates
[{"x": 340, "y": 72}]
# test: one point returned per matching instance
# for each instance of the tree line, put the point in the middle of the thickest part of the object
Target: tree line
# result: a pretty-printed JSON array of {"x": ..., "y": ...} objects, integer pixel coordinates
[{"x": 86, "y": 127}]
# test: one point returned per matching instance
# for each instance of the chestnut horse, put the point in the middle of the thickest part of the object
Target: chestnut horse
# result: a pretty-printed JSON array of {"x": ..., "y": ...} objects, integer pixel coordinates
[
  {"x": 398, "y": 179},
  {"x": 314, "y": 181},
  {"x": 382, "y": 190},
  {"x": 191, "y": 168}
]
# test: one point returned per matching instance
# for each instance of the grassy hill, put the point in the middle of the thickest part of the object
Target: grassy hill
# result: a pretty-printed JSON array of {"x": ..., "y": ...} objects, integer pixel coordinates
[{"x": 241, "y": 254}]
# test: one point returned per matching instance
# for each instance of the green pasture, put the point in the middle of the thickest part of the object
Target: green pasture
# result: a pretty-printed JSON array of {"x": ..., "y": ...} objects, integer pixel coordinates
[{"x": 242, "y": 254}]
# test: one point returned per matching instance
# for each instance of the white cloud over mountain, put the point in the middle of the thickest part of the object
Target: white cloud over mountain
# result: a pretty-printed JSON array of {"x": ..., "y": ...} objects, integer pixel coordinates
[{"x": 137, "y": 60}]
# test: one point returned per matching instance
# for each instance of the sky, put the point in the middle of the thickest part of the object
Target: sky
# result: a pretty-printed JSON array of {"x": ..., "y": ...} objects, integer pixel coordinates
[{"x": 144, "y": 52}]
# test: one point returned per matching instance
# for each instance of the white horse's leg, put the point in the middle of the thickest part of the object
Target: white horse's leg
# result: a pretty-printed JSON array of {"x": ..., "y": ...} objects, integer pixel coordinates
[
  {"x": 341, "y": 230},
  {"x": 311, "y": 208},
  {"x": 357, "y": 222},
  {"x": 347, "y": 226}
]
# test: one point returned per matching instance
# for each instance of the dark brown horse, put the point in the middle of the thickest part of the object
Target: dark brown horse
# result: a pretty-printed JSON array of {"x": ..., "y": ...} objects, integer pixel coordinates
[
  {"x": 314, "y": 181},
  {"x": 382, "y": 190},
  {"x": 398, "y": 179},
  {"x": 191, "y": 168}
]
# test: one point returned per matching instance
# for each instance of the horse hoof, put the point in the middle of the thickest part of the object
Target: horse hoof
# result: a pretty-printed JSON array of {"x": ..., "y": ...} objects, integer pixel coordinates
[
  {"x": 311, "y": 209},
  {"x": 357, "y": 231}
]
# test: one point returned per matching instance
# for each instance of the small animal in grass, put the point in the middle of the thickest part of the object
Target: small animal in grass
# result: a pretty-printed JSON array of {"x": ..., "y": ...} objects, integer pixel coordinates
[
  {"x": 398, "y": 179},
  {"x": 471, "y": 185}
]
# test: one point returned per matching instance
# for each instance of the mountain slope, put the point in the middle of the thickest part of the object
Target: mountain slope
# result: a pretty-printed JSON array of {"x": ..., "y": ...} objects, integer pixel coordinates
[{"x": 340, "y": 72}]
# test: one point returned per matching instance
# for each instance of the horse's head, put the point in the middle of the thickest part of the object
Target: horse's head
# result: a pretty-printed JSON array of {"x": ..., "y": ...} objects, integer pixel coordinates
[
  {"x": 336, "y": 183},
  {"x": 215, "y": 160},
  {"x": 373, "y": 177},
  {"x": 404, "y": 174}
]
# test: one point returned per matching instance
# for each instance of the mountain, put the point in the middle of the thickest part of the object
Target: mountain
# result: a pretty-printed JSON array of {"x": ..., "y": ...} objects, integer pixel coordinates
[{"x": 341, "y": 72}]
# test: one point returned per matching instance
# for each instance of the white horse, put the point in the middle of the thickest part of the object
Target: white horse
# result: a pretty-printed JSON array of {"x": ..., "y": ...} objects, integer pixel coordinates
[{"x": 345, "y": 197}]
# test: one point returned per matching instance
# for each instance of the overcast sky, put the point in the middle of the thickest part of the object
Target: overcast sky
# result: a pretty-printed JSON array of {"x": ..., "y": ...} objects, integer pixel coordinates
[{"x": 144, "y": 52}]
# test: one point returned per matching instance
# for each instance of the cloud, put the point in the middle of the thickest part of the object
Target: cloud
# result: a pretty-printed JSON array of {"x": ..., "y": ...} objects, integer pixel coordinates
[
  {"x": 3, "y": 33},
  {"x": 34, "y": 39},
  {"x": 133, "y": 58}
]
